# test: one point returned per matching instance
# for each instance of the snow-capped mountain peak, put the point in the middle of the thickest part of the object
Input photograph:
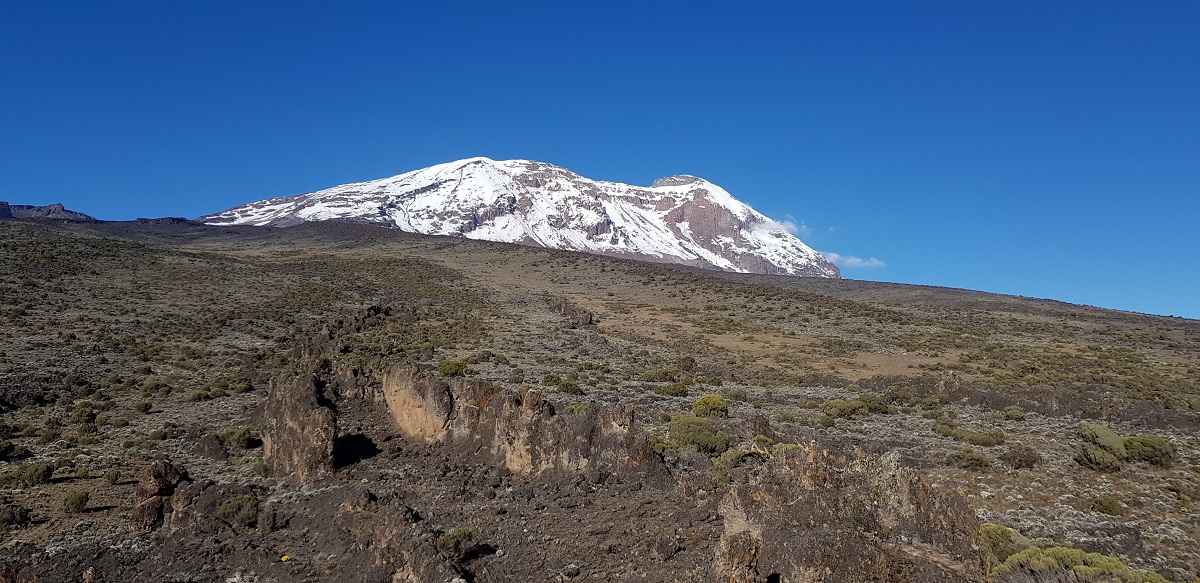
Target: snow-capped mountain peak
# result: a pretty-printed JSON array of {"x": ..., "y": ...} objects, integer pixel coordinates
[{"x": 678, "y": 219}]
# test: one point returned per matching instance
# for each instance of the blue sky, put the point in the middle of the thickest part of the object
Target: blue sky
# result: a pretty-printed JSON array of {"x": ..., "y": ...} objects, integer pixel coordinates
[{"x": 1045, "y": 149}]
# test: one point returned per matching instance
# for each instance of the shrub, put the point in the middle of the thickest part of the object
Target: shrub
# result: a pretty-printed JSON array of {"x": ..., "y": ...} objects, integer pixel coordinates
[
  {"x": 1152, "y": 449},
  {"x": 452, "y": 368},
  {"x": 13, "y": 514},
  {"x": 112, "y": 476},
  {"x": 241, "y": 510},
  {"x": 875, "y": 404},
  {"x": 734, "y": 457},
  {"x": 143, "y": 407},
  {"x": 710, "y": 405},
  {"x": 1103, "y": 437},
  {"x": 685, "y": 430},
  {"x": 844, "y": 409},
  {"x": 1107, "y": 504},
  {"x": 969, "y": 459},
  {"x": 240, "y": 437},
  {"x": 661, "y": 375},
  {"x": 1065, "y": 564},
  {"x": 577, "y": 407},
  {"x": 456, "y": 543},
  {"x": 1021, "y": 457},
  {"x": 672, "y": 390},
  {"x": 1014, "y": 413},
  {"x": 75, "y": 502},
  {"x": 1097, "y": 458},
  {"x": 10, "y": 451},
  {"x": 1001, "y": 542},
  {"x": 570, "y": 388},
  {"x": 34, "y": 474}
]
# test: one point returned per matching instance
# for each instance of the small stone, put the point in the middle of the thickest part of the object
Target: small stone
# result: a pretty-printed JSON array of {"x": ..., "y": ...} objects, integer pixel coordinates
[{"x": 571, "y": 570}]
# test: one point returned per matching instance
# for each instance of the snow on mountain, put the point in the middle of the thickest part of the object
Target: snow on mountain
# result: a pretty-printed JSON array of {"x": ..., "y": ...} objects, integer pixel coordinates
[{"x": 679, "y": 219}]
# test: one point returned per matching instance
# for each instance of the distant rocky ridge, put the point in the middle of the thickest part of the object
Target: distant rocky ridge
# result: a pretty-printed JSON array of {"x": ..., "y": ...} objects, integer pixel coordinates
[
  {"x": 680, "y": 219},
  {"x": 50, "y": 211}
]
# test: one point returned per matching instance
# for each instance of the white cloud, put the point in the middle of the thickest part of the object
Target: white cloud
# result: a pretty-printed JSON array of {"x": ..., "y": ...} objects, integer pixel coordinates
[
  {"x": 798, "y": 230},
  {"x": 852, "y": 262}
]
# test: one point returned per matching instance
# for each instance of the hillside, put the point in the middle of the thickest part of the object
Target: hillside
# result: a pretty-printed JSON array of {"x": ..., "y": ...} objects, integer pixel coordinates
[{"x": 341, "y": 402}]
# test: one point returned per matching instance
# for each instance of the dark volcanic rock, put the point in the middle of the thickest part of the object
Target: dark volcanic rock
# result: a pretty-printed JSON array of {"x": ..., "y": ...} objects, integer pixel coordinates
[
  {"x": 809, "y": 514},
  {"x": 299, "y": 431},
  {"x": 160, "y": 479},
  {"x": 522, "y": 432},
  {"x": 50, "y": 211}
]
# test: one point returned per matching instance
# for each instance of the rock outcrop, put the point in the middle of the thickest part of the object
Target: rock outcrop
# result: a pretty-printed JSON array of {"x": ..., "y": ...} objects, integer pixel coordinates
[
  {"x": 299, "y": 430},
  {"x": 50, "y": 211},
  {"x": 521, "y": 432},
  {"x": 811, "y": 516}
]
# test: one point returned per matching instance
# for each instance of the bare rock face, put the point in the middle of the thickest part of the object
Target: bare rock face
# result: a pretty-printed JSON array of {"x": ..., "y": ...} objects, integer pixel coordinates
[
  {"x": 50, "y": 211},
  {"x": 157, "y": 484},
  {"x": 299, "y": 430},
  {"x": 576, "y": 316},
  {"x": 160, "y": 479},
  {"x": 522, "y": 432},
  {"x": 814, "y": 517}
]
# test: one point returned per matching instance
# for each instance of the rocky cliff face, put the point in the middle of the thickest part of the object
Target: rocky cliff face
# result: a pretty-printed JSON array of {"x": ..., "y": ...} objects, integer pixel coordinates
[
  {"x": 679, "y": 219},
  {"x": 50, "y": 211}
]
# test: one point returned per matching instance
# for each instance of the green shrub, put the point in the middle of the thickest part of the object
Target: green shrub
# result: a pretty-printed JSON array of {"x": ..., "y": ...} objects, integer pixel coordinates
[
  {"x": 1103, "y": 437},
  {"x": 112, "y": 476},
  {"x": 456, "y": 543},
  {"x": 710, "y": 405},
  {"x": 13, "y": 514},
  {"x": 1106, "y": 504},
  {"x": 143, "y": 407},
  {"x": 1001, "y": 542},
  {"x": 10, "y": 451},
  {"x": 1097, "y": 458},
  {"x": 731, "y": 458},
  {"x": 875, "y": 404},
  {"x": 241, "y": 510},
  {"x": 75, "y": 502},
  {"x": 570, "y": 388},
  {"x": 577, "y": 407},
  {"x": 452, "y": 368},
  {"x": 969, "y": 459},
  {"x": 1065, "y": 564},
  {"x": 1014, "y": 413},
  {"x": 34, "y": 474},
  {"x": 672, "y": 390},
  {"x": 840, "y": 408},
  {"x": 684, "y": 430},
  {"x": 240, "y": 438},
  {"x": 1152, "y": 449},
  {"x": 661, "y": 375}
]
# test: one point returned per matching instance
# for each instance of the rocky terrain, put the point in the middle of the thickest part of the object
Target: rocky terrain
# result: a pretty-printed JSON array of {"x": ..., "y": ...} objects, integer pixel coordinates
[
  {"x": 340, "y": 402},
  {"x": 682, "y": 220}
]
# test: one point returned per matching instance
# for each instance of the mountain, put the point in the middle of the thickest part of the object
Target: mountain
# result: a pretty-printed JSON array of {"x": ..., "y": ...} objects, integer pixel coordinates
[
  {"x": 679, "y": 219},
  {"x": 50, "y": 211}
]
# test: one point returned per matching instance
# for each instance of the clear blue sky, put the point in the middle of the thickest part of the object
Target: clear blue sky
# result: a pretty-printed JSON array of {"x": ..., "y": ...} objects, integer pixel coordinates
[{"x": 1046, "y": 149}]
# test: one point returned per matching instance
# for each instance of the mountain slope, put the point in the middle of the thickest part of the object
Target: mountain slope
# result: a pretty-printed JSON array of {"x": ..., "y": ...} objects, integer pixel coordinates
[{"x": 680, "y": 219}]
